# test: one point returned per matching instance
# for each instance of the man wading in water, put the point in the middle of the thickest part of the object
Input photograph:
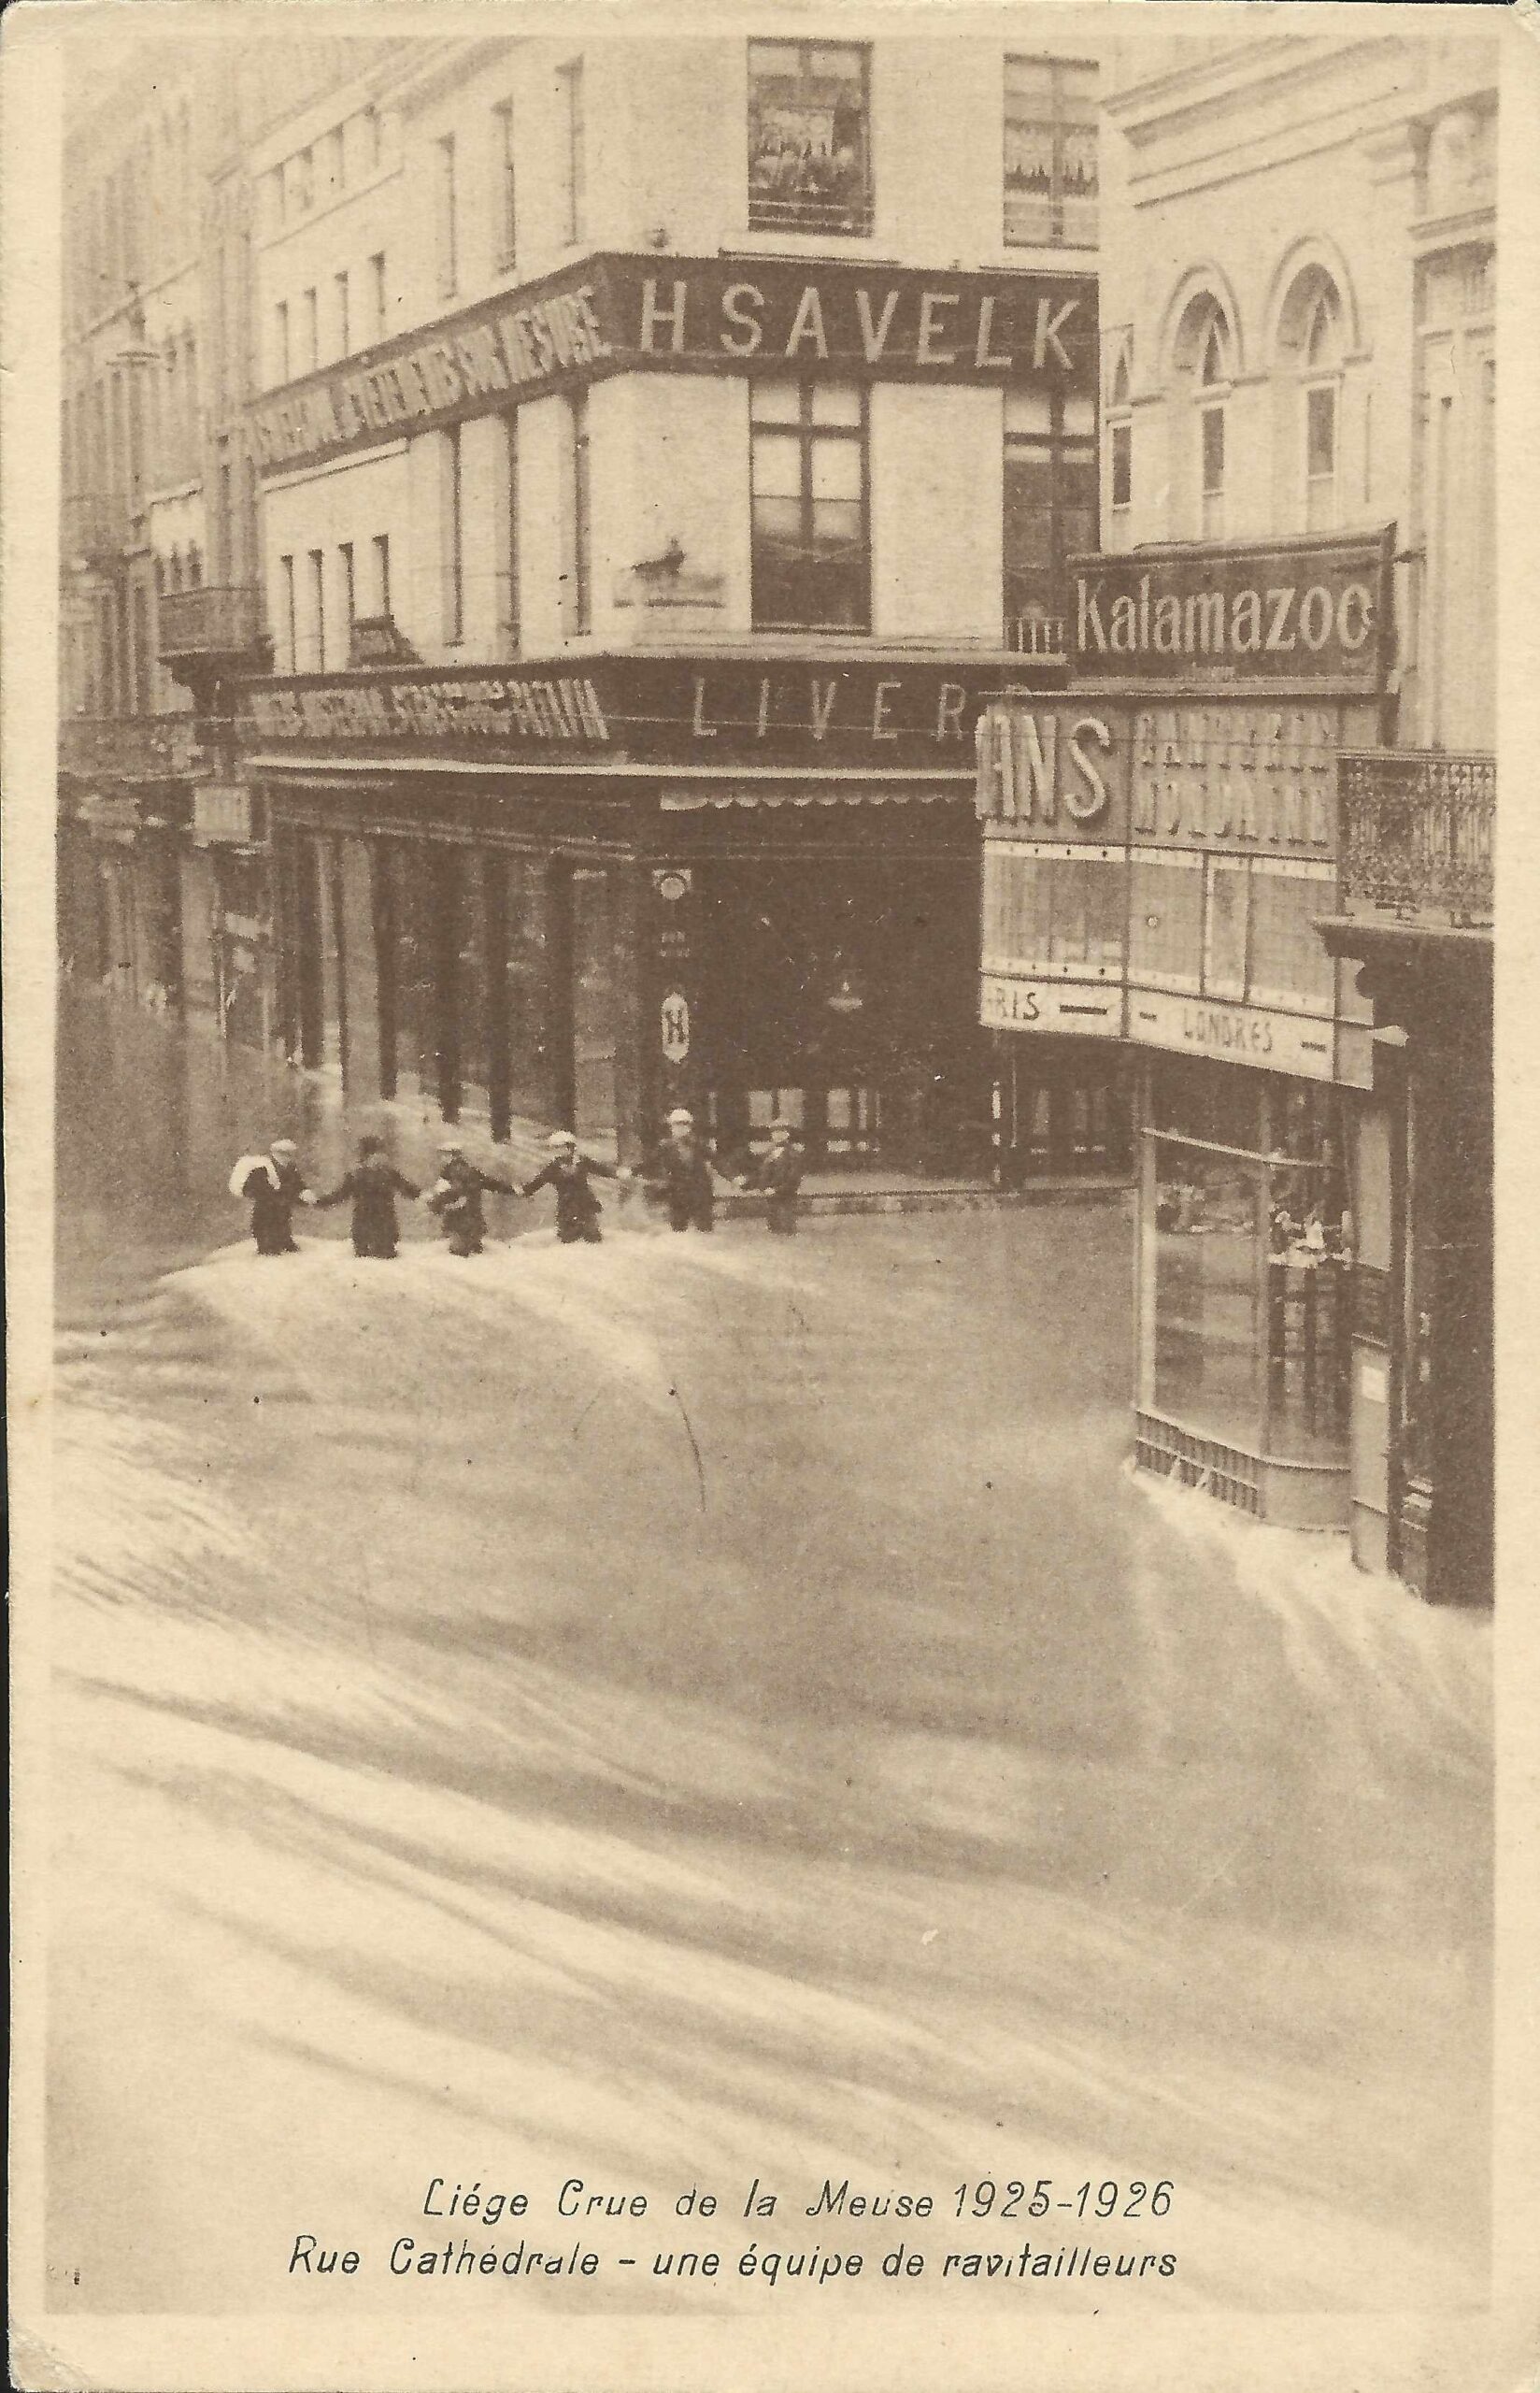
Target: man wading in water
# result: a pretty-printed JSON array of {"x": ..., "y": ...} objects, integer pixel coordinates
[
  {"x": 456, "y": 1199},
  {"x": 273, "y": 1185},
  {"x": 373, "y": 1185}
]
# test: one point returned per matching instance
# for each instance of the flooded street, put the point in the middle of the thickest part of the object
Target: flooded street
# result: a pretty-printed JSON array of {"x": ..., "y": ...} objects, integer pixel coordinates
[{"x": 699, "y": 1710}]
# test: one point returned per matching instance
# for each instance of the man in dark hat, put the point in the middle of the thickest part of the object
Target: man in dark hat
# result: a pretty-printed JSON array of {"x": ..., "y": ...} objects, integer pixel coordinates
[
  {"x": 779, "y": 1176},
  {"x": 577, "y": 1207},
  {"x": 456, "y": 1197},
  {"x": 273, "y": 1185},
  {"x": 373, "y": 1185},
  {"x": 683, "y": 1174}
]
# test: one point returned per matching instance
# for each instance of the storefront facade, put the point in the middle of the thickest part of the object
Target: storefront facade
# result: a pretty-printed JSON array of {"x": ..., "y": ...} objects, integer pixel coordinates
[
  {"x": 1159, "y": 846},
  {"x": 582, "y": 895}
]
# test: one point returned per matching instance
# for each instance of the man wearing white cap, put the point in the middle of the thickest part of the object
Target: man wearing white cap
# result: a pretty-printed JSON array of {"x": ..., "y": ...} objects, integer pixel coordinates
[
  {"x": 683, "y": 1174},
  {"x": 577, "y": 1207},
  {"x": 273, "y": 1185},
  {"x": 456, "y": 1197}
]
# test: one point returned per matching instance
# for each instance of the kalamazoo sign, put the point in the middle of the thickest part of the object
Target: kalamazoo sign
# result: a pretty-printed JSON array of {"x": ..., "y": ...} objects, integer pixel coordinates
[
  {"x": 1314, "y": 611},
  {"x": 616, "y": 314}
]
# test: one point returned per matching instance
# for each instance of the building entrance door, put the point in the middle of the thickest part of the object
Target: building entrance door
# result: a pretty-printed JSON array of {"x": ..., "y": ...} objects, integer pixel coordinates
[{"x": 1065, "y": 1111}]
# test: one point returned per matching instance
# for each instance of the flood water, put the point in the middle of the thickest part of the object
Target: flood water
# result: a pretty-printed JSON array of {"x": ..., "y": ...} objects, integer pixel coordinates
[{"x": 693, "y": 1711}]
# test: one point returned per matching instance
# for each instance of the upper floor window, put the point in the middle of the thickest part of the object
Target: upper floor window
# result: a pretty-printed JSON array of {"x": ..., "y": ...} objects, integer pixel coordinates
[
  {"x": 569, "y": 81},
  {"x": 1049, "y": 512},
  {"x": 505, "y": 188},
  {"x": 310, "y": 332},
  {"x": 344, "y": 314},
  {"x": 809, "y": 137},
  {"x": 809, "y": 483},
  {"x": 378, "y": 296},
  {"x": 1319, "y": 426},
  {"x": 281, "y": 369},
  {"x": 1052, "y": 175},
  {"x": 302, "y": 170},
  {"x": 1213, "y": 392},
  {"x": 445, "y": 228}
]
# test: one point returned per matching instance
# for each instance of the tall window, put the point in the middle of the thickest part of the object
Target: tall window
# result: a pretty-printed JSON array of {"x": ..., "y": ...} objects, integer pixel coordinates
[
  {"x": 1050, "y": 492},
  {"x": 454, "y": 537},
  {"x": 1322, "y": 361},
  {"x": 305, "y": 181},
  {"x": 1213, "y": 391},
  {"x": 281, "y": 367},
  {"x": 1120, "y": 472},
  {"x": 505, "y": 186},
  {"x": 341, "y": 305},
  {"x": 290, "y": 620},
  {"x": 580, "y": 609},
  {"x": 445, "y": 231},
  {"x": 809, "y": 137},
  {"x": 310, "y": 333},
  {"x": 1051, "y": 179},
  {"x": 318, "y": 610},
  {"x": 811, "y": 548},
  {"x": 381, "y": 544},
  {"x": 225, "y": 566},
  {"x": 350, "y": 598},
  {"x": 376, "y": 296},
  {"x": 508, "y": 562},
  {"x": 569, "y": 81},
  {"x": 374, "y": 138}
]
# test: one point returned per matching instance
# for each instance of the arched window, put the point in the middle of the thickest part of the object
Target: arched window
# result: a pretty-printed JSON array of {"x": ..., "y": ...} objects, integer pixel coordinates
[
  {"x": 1308, "y": 411},
  {"x": 1214, "y": 377}
]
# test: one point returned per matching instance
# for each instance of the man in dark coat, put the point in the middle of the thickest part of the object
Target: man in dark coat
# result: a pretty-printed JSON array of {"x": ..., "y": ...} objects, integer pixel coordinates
[
  {"x": 274, "y": 1186},
  {"x": 372, "y": 1183},
  {"x": 457, "y": 1197},
  {"x": 577, "y": 1207},
  {"x": 780, "y": 1175},
  {"x": 682, "y": 1175}
]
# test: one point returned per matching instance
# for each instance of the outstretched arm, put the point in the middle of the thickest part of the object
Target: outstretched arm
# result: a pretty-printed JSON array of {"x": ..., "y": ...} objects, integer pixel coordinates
[{"x": 335, "y": 1195}]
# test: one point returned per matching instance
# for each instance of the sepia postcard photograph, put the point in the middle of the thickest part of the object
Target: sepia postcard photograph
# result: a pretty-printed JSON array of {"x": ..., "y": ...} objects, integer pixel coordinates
[{"x": 773, "y": 1617}]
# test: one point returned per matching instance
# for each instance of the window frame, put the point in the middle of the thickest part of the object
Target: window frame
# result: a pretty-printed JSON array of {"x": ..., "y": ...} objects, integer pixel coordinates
[
  {"x": 342, "y": 301},
  {"x": 1059, "y": 124},
  {"x": 291, "y": 617},
  {"x": 808, "y": 434},
  {"x": 505, "y": 189},
  {"x": 454, "y": 536},
  {"x": 1060, "y": 448},
  {"x": 574, "y": 193},
  {"x": 446, "y": 212},
  {"x": 380, "y": 549},
  {"x": 860, "y": 217},
  {"x": 349, "y": 595},
  {"x": 378, "y": 295}
]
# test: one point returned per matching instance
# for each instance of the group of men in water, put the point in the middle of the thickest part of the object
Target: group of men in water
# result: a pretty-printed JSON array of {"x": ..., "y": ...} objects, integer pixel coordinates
[{"x": 683, "y": 1174}]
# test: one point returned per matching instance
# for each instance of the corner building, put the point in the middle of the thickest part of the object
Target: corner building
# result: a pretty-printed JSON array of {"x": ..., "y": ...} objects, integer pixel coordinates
[
  {"x": 668, "y": 449},
  {"x": 1273, "y": 902}
]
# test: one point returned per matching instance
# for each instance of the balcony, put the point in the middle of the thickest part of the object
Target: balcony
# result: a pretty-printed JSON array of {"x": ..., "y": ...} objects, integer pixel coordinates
[
  {"x": 1040, "y": 636},
  {"x": 211, "y": 624},
  {"x": 128, "y": 747},
  {"x": 96, "y": 528},
  {"x": 1415, "y": 835}
]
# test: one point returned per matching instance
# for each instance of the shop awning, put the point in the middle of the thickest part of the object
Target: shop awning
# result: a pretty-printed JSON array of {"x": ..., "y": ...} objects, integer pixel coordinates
[{"x": 695, "y": 801}]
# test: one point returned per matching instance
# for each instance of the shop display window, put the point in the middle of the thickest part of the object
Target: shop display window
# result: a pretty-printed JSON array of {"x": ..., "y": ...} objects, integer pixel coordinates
[
  {"x": 809, "y": 141},
  {"x": 1246, "y": 1262},
  {"x": 1050, "y": 911},
  {"x": 1166, "y": 918}
]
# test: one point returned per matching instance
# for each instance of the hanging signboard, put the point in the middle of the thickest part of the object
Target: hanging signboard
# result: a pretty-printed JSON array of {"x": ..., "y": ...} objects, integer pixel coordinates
[{"x": 1313, "y": 611}]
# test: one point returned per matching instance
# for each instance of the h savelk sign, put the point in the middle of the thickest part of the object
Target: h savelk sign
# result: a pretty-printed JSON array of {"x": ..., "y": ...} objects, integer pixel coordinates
[
  {"x": 618, "y": 314},
  {"x": 1316, "y": 611}
]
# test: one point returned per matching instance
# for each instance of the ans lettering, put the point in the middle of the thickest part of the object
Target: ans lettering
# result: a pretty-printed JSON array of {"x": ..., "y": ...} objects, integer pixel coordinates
[{"x": 1037, "y": 768}]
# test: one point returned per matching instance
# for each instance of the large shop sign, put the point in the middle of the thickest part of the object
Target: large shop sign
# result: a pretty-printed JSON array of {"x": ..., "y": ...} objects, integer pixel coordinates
[
  {"x": 643, "y": 710},
  {"x": 1059, "y": 772},
  {"x": 1304, "y": 612},
  {"x": 619, "y": 314}
]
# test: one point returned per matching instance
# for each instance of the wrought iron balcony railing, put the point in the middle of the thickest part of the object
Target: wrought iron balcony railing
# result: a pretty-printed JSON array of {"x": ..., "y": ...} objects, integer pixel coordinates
[
  {"x": 211, "y": 621},
  {"x": 1037, "y": 636},
  {"x": 809, "y": 211},
  {"x": 1416, "y": 834},
  {"x": 129, "y": 748}
]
